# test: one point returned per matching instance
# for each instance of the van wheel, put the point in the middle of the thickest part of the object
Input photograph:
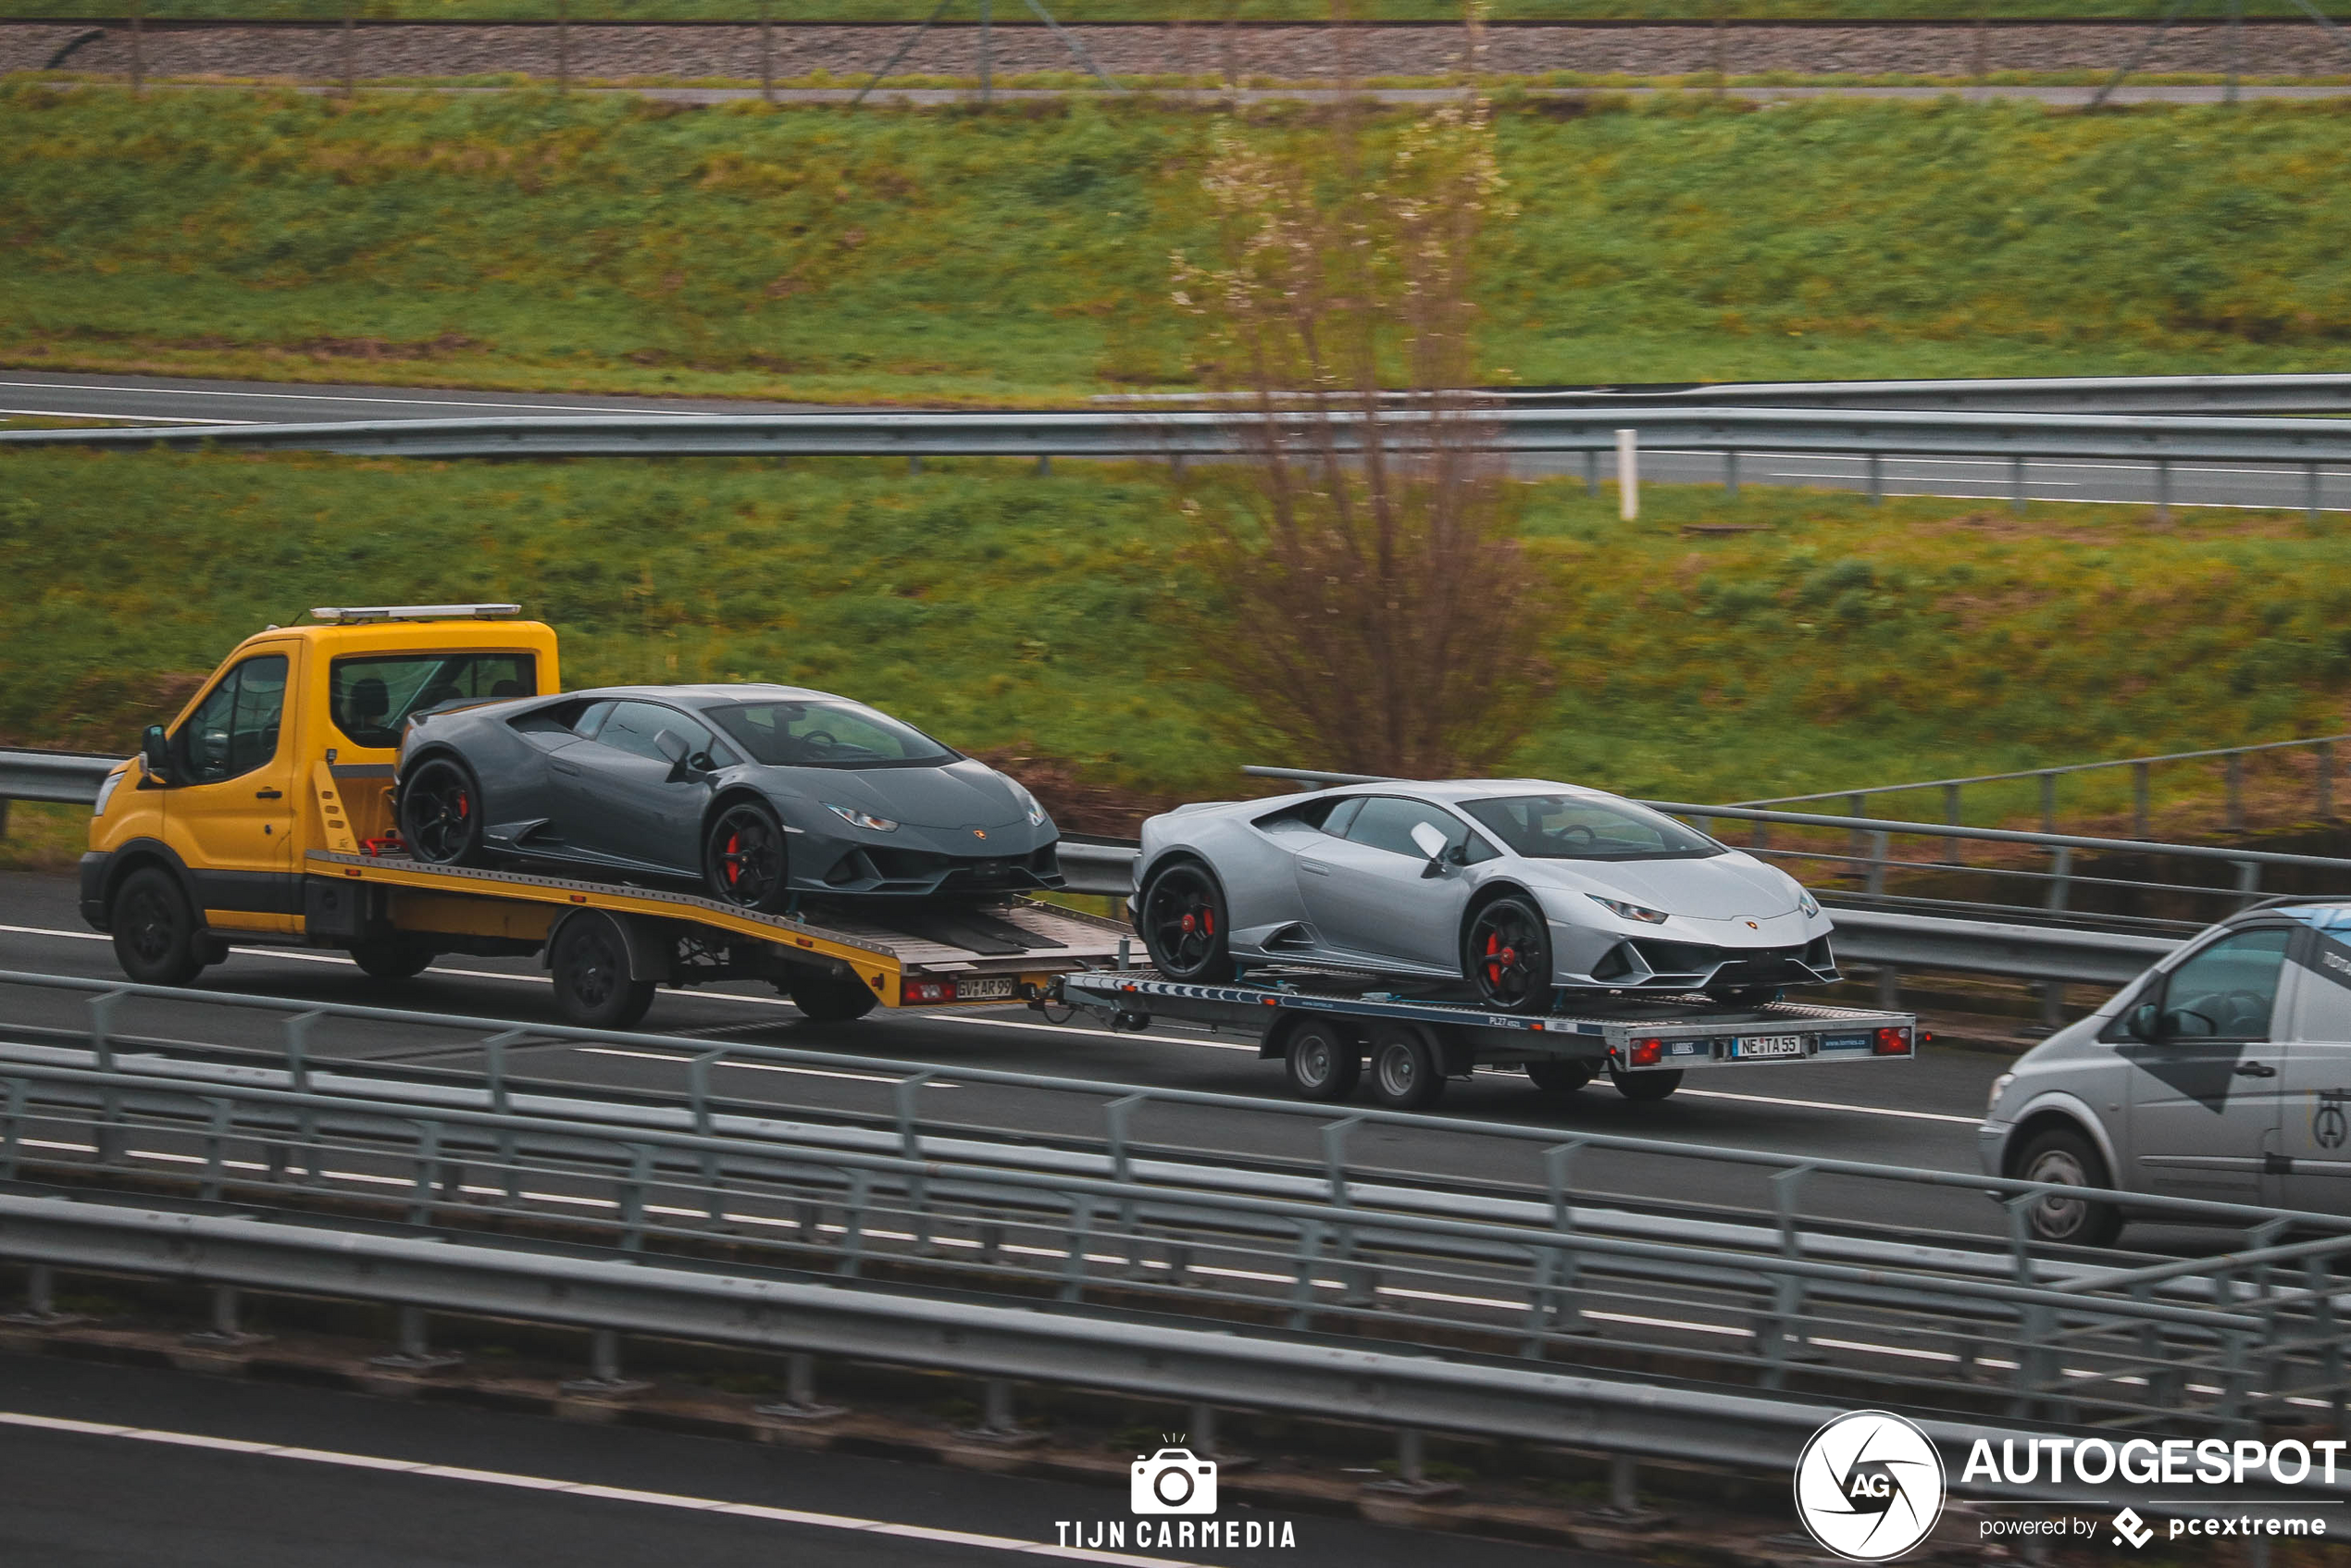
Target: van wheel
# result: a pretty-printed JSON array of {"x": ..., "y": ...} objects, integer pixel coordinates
[
  {"x": 155, "y": 931},
  {"x": 591, "y": 965},
  {"x": 1646, "y": 1086},
  {"x": 827, "y": 998},
  {"x": 1558, "y": 1074},
  {"x": 440, "y": 813},
  {"x": 391, "y": 960},
  {"x": 2063, "y": 1157},
  {"x": 1406, "y": 1075},
  {"x": 1324, "y": 1062}
]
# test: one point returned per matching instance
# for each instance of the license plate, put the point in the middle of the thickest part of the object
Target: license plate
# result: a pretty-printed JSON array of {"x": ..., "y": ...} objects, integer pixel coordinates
[
  {"x": 1769, "y": 1045},
  {"x": 984, "y": 990}
]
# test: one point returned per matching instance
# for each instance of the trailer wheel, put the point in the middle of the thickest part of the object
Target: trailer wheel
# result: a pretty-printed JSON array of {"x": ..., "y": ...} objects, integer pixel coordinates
[
  {"x": 1323, "y": 1059},
  {"x": 394, "y": 960},
  {"x": 441, "y": 813},
  {"x": 1645, "y": 1085},
  {"x": 1405, "y": 1072},
  {"x": 1182, "y": 919},
  {"x": 827, "y": 998},
  {"x": 1560, "y": 1074},
  {"x": 590, "y": 964},
  {"x": 155, "y": 931}
]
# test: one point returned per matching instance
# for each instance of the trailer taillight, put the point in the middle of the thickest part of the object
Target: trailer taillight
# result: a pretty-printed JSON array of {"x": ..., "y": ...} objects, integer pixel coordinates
[
  {"x": 1646, "y": 1052},
  {"x": 1892, "y": 1042},
  {"x": 930, "y": 990}
]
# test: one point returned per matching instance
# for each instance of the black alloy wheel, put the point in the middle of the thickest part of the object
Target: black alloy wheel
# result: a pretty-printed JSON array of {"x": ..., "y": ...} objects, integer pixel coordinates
[
  {"x": 155, "y": 931},
  {"x": 440, "y": 813},
  {"x": 590, "y": 964},
  {"x": 1406, "y": 1073},
  {"x": 1560, "y": 1074},
  {"x": 1508, "y": 956},
  {"x": 1323, "y": 1061},
  {"x": 397, "y": 959},
  {"x": 2065, "y": 1158},
  {"x": 1645, "y": 1086},
  {"x": 744, "y": 860},
  {"x": 1183, "y": 925},
  {"x": 827, "y": 997}
]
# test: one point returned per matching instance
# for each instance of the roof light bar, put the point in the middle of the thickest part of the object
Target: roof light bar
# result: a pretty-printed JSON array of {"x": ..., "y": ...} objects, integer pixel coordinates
[{"x": 352, "y": 614}]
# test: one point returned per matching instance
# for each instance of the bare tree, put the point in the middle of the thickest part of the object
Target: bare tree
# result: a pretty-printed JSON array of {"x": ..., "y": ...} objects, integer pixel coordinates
[{"x": 1371, "y": 595}]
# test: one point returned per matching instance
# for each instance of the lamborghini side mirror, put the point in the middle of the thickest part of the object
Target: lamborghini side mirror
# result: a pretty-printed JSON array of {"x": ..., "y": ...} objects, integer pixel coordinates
[
  {"x": 1431, "y": 842},
  {"x": 154, "y": 753}
]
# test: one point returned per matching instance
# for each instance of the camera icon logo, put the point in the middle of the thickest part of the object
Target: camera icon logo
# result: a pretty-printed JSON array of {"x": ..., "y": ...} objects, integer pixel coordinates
[{"x": 1173, "y": 1481}]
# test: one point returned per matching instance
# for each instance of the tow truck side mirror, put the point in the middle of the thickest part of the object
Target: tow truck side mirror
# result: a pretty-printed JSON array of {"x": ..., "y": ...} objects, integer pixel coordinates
[{"x": 155, "y": 753}]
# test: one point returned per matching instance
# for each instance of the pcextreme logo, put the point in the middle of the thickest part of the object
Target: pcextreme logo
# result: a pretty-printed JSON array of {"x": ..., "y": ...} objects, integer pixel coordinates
[{"x": 1869, "y": 1486}]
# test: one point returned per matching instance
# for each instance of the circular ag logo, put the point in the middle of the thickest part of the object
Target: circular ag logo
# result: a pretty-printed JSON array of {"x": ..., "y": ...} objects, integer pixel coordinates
[{"x": 1869, "y": 1486}]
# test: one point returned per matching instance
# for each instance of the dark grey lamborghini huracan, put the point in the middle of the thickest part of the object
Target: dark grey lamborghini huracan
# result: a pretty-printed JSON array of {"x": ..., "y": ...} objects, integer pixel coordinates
[{"x": 762, "y": 793}]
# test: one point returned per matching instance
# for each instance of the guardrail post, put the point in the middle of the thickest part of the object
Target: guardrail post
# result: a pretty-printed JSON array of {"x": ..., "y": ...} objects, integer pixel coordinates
[
  {"x": 1080, "y": 1234},
  {"x": 1877, "y": 479},
  {"x": 2326, "y": 779},
  {"x": 1407, "y": 1456},
  {"x": 427, "y": 1172},
  {"x": 1951, "y": 816},
  {"x": 1592, "y": 471},
  {"x": 1889, "y": 988},
  {"x": 915, "y": 462},
  {"x": 632, "y": 1198},
  {"x": 1881, "y": 846},
  {"x": 226, "y": 1331},
  {"x": 799, "y": 1403},
  {"x": 102, "y": 1030},
  {"x": 2139, "y": 800},
  {"x": 2232, "y": 774},
  {"x": 11, "y": 1139},
  {"x": 2250, "y": 880},
  {"x": 40, "y": 1301},
  {"x": 1731, "y": 475},
  {"x": 1310, "y": 1236},
  {"x": 1623, "y": 1482},
  {"x": 2048, "y": 802},
  {"x": 1628, "y": 475},
  {"x": 412, "y": 1347},
  {"x": 853, "y": 1224},
  {"x": 1856, "y": 805},
  {"x": 1334, "y": 1158},
  {"x": 604, "y": 1378}
]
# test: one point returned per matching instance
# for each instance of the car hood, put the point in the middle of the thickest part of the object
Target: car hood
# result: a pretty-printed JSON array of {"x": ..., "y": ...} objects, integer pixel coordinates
[
  {"x": 1723, "y": 887},
  {"x": 963, "y": 794}
]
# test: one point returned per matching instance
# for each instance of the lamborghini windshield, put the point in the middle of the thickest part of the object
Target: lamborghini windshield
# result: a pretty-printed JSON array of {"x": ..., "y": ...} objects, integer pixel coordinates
[
  {"x": 809, "y": 734},
  {"x": 1576, "y": 828}
]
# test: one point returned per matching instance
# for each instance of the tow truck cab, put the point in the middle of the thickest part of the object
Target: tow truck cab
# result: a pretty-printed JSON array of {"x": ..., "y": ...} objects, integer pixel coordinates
[{"x": 288, "y": 748}]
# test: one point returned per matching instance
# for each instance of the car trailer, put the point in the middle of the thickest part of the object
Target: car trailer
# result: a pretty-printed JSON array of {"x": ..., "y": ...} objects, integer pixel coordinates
[{"x": 1322, "y": 1026}]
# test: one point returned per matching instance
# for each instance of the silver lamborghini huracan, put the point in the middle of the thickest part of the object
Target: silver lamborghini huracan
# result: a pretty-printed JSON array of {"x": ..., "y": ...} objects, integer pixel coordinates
[{"x": 1515, "y": 889}]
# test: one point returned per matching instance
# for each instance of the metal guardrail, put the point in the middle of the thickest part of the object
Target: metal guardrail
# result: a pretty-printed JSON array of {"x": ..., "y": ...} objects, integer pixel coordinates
[
  {"x": 2231, "y": 758},
  {"x": 67, "y": 778},
  {"x": 2311, "y": 444},
  {"x": 2097, "y": 1350}
]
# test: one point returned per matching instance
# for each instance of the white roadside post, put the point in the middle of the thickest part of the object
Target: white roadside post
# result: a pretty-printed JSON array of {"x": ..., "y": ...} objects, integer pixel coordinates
[{"x": 1629, "y": 474}]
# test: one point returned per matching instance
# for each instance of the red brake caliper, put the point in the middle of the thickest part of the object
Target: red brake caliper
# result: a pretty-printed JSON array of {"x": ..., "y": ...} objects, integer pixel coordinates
[
  {"x": 1493, "y": 970},
  {"x": 734, "y": 859}
]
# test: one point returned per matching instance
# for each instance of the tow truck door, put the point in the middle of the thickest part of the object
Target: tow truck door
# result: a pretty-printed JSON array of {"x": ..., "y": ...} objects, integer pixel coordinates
[
  {"x": 2205, "y": 1069},
  {"x": 229, "y": 813}
]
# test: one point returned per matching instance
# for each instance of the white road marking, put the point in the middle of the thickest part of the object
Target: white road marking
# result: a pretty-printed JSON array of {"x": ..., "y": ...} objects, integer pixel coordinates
[
  {"x": 580, "y": 1488},
  {"x": 339, "y": 397},
  {"x": 138, "y": 419},
  {"x": 1887, "y": 1110},
  {"x": 759, "y": 1066}
]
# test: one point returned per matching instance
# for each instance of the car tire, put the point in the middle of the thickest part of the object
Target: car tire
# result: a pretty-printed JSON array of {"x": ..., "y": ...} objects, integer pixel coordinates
[
  {"x": 2064, "y": 1155},
  {"x": 1645, "y": 1086},
  {"x": 744, "y": 858},
  {"x": 394, "y": 960},
  {"x": 440, "y": 813},
  {"x": 155, "y": 938},
  {"x": 590, "y": 961},
  {"x": 1506, "y": 953},
  {"x": 1182, "y": 919},
  {"x": 1406, "y": 1073},
  {"x": 1560, "y": 1074},
  {"x": 1323, "y": 1061},
  {"x": 826, "y": 997}
]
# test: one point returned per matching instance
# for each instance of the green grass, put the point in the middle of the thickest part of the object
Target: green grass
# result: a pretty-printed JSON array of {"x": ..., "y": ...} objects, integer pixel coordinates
[
  {"x": 520, "y": 240},
  {"x": 1848, "y": 644}
]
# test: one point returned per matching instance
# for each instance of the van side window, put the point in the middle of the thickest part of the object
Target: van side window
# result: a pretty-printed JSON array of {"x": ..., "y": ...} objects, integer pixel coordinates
[
  {"x": 372, "y": 696},
  {"x": 2228, "y": 990},
  {"x": 234, "y": 729}
]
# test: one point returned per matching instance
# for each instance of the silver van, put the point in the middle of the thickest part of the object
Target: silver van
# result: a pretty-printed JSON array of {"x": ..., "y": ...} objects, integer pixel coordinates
[{"x": 2223, "y": 1073}]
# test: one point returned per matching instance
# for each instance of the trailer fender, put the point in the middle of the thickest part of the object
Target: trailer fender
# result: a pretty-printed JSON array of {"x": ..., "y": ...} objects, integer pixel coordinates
[{"x": 652, "y": 949}]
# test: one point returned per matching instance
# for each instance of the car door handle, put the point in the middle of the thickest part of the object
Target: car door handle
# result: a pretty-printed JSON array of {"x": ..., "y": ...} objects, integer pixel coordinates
[
  {"x": 1316, "y": 866},
  {"x": 570, "y": 767},
  {"x": 269, "y": 794},
  {"x": 2256, "y": 1070}
]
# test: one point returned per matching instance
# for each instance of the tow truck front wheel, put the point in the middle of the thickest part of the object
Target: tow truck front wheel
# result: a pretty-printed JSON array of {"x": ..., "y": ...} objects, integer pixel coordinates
[
  {"x": 1323, "y": 1061},
  {"x": 1406, "y": 1073},
  {"x": 155, "y": 938},
  {"x": 591, "y": 965}
]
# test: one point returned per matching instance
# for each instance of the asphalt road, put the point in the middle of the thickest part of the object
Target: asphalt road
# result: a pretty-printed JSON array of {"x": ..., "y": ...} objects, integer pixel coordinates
[
  {"x": 176, "y": 400},
  {"x": 1918, "y": 1112},
  {"x": 169, "y": 1468}
]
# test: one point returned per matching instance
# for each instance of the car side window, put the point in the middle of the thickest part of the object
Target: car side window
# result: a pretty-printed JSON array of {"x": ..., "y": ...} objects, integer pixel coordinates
[
  {"x": 635, "y": 728},
  {"x": 2229, "y": 990},
  {"x": 234, "y": 729},
  {"x": 1386, "y": 823},
  {"x": 1342, "y": 816}
]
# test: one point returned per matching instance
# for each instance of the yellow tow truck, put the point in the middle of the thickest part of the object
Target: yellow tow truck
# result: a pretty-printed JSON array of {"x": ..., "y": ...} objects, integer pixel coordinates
[{"x": 264, "y": 813}]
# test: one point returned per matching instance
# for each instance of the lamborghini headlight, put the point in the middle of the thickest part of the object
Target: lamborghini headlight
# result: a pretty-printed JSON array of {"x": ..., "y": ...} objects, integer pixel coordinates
[
  {"x": 1630, "y": 911},
  {"x": 1807, "y": 902},
  {"x": 856, "y": 818}
]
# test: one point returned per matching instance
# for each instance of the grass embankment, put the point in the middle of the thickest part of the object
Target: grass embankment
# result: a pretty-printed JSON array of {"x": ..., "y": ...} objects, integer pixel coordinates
[
  {"x": 1048, "y": 617},
  {"x": 1196, "y": 12},
  {"x": 524, "y": 240}
]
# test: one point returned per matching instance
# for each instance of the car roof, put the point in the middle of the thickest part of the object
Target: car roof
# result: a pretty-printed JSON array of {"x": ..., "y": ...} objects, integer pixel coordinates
[
  {"x": 713, "y": 694},
  {"x": 1452, "y": 791}
]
